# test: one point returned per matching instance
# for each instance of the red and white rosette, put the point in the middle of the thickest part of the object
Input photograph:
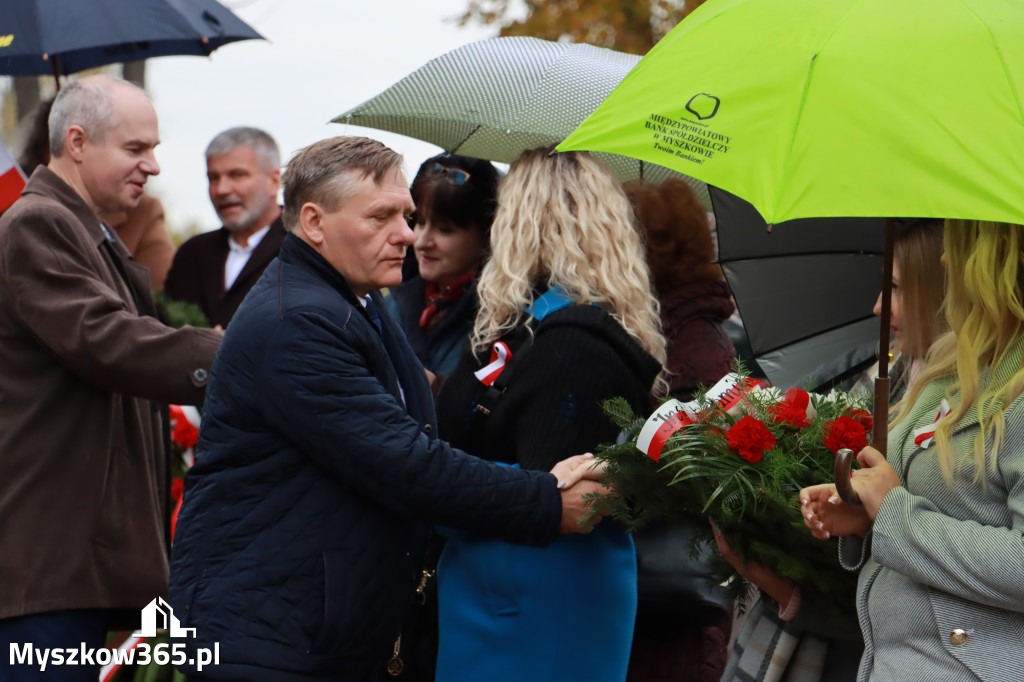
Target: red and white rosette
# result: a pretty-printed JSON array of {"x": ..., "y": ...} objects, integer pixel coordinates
[
  {"x": 925, "y": 436},
  {"x": 500, "y": 355}
]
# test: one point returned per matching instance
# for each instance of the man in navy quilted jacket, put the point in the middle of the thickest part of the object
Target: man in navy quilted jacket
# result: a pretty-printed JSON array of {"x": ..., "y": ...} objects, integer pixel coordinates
[{"x": 318, "y": 472}]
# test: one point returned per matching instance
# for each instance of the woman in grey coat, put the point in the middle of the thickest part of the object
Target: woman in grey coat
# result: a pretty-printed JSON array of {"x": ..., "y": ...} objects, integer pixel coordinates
[{"x": 939, "y": 537}]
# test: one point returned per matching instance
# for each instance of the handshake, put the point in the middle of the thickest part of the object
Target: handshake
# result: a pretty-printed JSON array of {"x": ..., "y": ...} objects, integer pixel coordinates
[{"x": 579, "y": 478}]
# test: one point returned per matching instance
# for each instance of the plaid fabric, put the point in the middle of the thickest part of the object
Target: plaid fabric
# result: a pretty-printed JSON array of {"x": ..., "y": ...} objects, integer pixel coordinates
[{"x": 770, "y": 650}]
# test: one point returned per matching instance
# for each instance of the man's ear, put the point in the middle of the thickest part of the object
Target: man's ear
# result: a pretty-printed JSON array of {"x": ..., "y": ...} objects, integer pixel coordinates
[
  {"x": 311, "y": 223},
  {"x": 74, "y": 142},
  {"x": 275, "y": 179}
]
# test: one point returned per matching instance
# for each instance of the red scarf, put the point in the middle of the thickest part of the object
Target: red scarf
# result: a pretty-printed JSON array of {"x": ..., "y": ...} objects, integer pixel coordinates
[{"x": 440, "y": 296}]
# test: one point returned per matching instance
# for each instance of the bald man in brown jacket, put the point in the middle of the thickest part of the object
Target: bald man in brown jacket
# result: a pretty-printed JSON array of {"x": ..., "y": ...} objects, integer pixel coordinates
[{"x": 84, "y": 365}]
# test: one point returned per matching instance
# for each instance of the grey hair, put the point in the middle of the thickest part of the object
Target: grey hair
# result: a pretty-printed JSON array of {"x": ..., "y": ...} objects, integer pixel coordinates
[
  {"x": 86, "y": 102},
  {"x": 326, "y": 173},
  {"x": 259, "y": 141}
]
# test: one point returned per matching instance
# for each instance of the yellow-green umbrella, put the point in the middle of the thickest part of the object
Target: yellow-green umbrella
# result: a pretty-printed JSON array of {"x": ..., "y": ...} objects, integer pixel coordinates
[
  {"x": 830, "y": 108},
  {"x": 816, "y": 108}
]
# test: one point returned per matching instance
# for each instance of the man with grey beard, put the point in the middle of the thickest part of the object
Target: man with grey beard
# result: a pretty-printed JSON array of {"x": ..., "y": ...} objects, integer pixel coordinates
[{"x": 215, "y": 270}]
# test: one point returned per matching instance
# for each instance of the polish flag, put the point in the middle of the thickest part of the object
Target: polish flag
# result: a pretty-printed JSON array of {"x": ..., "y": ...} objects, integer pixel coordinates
[{"x": 12, "y": 180}]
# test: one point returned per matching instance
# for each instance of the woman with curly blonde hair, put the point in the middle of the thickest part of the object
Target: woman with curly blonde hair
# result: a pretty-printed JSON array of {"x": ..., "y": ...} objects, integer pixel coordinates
[
  {"x": 567, "y": 320},
  {"x": 939, "y": 536},
  {"x": 564, "y": 221}
]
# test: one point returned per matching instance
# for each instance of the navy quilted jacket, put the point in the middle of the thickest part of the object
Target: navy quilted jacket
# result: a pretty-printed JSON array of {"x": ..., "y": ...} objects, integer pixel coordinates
[{"x": 316, "y": 479}]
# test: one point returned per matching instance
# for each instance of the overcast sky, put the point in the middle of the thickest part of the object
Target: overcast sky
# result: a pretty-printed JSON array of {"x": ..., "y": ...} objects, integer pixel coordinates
[{"x": 321, "y": 57}]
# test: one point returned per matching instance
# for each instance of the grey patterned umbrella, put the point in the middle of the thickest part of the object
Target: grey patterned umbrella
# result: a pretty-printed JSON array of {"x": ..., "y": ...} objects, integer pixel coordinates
[{"x": 495, "y": 98}]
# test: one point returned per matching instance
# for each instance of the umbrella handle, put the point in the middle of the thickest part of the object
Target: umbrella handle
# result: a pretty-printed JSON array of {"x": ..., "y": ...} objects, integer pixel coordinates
[{"x": 844, "y": 462}]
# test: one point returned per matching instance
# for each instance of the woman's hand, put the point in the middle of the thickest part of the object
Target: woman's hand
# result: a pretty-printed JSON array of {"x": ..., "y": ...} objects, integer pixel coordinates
[
  {"x": 572, "y": 470},
  {"x": 827, "y": 515},
  {"x": 873, "y": 480}
]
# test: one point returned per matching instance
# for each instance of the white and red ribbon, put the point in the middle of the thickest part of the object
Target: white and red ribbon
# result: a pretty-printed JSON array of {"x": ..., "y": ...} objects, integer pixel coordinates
[
  {"x": 673, "y": 415},
  {"x": 660, "y": 426},
  {"x": 925, "y": 436},
  {"x": 500, "y": 355},
  {"x": 107, "y": 671}
]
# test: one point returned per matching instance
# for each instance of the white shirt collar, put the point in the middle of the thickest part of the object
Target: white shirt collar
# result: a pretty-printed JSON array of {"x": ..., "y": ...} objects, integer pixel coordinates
[
  {"x": 238, "y": 256},
  {"x": 254, "y": 239}
]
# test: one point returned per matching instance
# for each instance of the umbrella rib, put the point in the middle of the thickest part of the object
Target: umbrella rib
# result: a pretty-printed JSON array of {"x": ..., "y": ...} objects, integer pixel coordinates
[
  {"x": 465, "y": 139},
  {"x": 802, "y": 254},
  {"x": 999, "y": 54},
  {"x": 807, "y": 337},
  {"x": 800, "y": 112}
]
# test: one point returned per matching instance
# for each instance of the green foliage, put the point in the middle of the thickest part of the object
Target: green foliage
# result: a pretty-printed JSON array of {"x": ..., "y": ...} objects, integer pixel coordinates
[
  {"x": 177, "y": 314},
  {"x": 754, "y": 504},
  {"x": 632, "y": 26}
]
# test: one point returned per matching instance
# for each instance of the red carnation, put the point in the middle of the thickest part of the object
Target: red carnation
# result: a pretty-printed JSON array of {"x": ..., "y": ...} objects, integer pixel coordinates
[
  {"x": 845, "y": 432},
  {"x": 750, "y": 439},
  {"x": 184, "y": 435},
  {"x": 792, "y": 410},
  {"x": 862, "y": 416}
]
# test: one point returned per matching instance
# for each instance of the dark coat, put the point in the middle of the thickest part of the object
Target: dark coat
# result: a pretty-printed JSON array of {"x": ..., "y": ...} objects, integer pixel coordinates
[
  {"x": 307, "y": 511},
  {"x": 699, "y": 349},
  {"x": 83, "y": 469},
  {"x": 440, "y": 348},
  {"x": 580, "y": 590},
  {"x": 197, "y": 272},
  {"x": 580, "y": 357}
]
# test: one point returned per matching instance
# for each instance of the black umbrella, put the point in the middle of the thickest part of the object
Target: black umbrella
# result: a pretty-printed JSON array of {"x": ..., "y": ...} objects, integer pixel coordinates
[
  {"x": 67, "y": 36},
  {"x": 805, "y": 288}
]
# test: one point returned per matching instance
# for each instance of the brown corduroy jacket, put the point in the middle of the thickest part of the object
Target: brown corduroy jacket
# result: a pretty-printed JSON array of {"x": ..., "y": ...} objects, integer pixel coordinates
[
  {"x": 144, "y": 234},
  {"x": 83, "y": 469}
]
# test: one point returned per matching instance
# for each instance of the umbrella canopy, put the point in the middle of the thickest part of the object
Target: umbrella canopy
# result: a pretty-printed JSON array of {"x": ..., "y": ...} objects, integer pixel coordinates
[
  {"x": 805, "y": 290},
  {"x": 842, "y": 108},
  {"x": 495, "y": 98},
  {"x": 62, "y": 37}
]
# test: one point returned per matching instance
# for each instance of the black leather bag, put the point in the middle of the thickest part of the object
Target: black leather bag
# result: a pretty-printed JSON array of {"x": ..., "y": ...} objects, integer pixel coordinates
[{"x": 669, "y": 579}]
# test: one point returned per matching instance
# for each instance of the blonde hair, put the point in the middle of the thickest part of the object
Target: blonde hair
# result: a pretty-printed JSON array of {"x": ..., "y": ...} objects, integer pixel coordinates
[
  {"x": 564, "y": 221},
  {"x": 985, "y": 309}
]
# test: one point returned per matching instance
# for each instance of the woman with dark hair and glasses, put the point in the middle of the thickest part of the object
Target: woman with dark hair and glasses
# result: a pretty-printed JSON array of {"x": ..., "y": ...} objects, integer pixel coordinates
[{"x": 455, "y": 204}]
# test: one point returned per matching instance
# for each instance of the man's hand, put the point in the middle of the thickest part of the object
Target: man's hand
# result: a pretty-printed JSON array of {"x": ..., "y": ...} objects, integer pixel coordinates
[
  {"x": 575, "y": 508},
  {"x": 577, "y": 468}
]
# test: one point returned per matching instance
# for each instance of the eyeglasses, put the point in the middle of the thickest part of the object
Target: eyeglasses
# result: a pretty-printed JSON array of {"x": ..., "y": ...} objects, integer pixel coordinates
[{"x": 456, "y": 176}]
